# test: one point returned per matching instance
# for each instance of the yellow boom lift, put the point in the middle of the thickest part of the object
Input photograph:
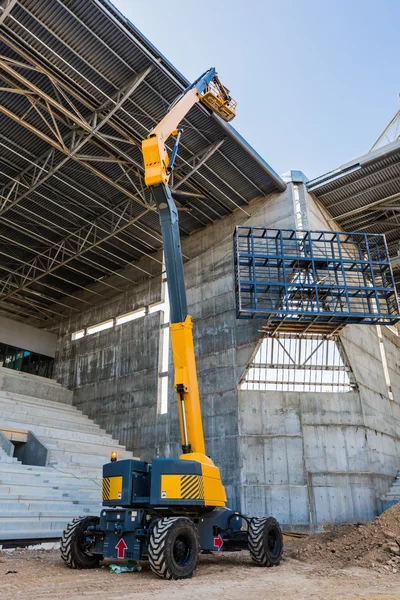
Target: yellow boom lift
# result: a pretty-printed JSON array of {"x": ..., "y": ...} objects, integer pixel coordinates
[{"x": 170, "y": 510}]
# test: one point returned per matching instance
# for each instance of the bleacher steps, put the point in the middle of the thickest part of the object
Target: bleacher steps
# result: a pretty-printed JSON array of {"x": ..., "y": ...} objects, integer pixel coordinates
[{"x": 36, "y": 503}]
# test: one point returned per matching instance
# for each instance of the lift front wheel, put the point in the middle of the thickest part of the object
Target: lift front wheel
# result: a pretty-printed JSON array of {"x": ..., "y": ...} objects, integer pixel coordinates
[
  {"x": 174, "y": 548},
  {"x": 74, "y": 546},
  {"x": 265, "y": 541}
]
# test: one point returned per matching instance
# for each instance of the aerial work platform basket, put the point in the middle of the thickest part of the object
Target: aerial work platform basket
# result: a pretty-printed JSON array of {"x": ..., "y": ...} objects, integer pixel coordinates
[{"x": 313, "y": 281}]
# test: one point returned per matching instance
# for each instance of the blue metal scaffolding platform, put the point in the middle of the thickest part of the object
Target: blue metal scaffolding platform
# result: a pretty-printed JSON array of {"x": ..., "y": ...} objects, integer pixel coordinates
[{"x": 313, "y": 281}]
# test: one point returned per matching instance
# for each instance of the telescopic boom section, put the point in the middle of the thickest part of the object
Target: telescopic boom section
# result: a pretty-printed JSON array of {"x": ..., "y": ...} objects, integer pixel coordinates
[{"x": 158, "y": 167}]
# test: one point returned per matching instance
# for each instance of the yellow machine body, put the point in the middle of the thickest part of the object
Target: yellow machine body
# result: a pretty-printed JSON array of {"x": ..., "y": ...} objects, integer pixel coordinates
[
  {"x": 185, "y": 374},
  {"x": 112, "y": 488},
  {"x": 155, "y": 155},
  {"x": 169, "y": 510},
  {"x": 155, "y": 160},
  {"x": 207, "y": 487}
]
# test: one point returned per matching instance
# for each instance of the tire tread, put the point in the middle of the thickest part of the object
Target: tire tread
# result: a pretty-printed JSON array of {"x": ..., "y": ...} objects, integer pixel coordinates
[
  {"x": 256, "y": 541},
  {"x": 67, "y": 546},
  {"x": 158, "y": 550}
]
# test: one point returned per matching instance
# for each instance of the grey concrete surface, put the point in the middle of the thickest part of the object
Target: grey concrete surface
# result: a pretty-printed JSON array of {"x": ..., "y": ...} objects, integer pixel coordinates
[
  {"x": 33, "y": 452},
  {"x": 30, "y": 338},
  {"x": 6, "y": 446},
  {"x": 32, "y": 385}
]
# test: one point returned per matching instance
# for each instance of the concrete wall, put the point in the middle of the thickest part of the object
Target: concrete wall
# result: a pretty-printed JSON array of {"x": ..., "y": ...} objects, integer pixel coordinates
[
  {"x": 305, "y": 458},
  {"x": 114, "y": 373},
  {"x": 26, "y": 337},
  {"x": 379, "y": 411},
  {"x": 312, "y": 459},
  {"x": 273, "y": 475}
]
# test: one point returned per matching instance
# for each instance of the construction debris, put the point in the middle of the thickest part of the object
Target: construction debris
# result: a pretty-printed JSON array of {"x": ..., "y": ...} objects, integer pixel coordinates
[
  {"x": 131, "y": 567},
  {"x": 374, "y": 544}
]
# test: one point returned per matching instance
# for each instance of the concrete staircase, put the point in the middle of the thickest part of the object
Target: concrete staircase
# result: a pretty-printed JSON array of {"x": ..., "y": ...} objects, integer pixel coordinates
[
  {"x": 36, "y": 502},
  {"x": 391, "y": 497},
  {"x": 4, "y": 458}
]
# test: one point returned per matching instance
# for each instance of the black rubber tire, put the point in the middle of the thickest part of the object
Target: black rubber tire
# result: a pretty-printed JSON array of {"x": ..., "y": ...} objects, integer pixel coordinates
[
  {"x": 174, "y": 548},
  {"x": 72, "y": 552},
  {"x": 265, "y": 541}
]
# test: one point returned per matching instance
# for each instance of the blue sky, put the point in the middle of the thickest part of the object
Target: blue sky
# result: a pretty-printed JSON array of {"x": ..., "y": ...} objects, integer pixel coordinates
[{"x": 316, "y": 80}]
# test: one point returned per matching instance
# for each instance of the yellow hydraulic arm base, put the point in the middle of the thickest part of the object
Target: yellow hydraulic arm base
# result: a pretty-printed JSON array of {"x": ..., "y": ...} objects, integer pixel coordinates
[
  {"x": 186, "y": 386},
  {"x": 190, "y": 413}
]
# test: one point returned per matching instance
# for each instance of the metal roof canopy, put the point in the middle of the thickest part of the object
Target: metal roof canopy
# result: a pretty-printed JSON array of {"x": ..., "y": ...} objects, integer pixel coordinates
[
  {"x": 364, "y": 195},
  {"x": 80, "y": 87}
]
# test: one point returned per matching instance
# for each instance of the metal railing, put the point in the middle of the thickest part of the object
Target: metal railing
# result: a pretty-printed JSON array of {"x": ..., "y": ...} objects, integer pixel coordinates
[{"x": 313, "y": 277}]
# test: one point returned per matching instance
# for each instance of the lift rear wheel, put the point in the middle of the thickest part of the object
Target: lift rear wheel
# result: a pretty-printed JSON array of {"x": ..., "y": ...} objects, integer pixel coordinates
[
  {"x": 265, "y": 541},
  {"x": 74, "y": 547},
  {"x": 174, "y": 548}
]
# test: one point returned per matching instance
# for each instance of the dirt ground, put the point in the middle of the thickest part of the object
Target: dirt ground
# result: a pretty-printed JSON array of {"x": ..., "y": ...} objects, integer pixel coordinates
[{"x": 40, "y": 575}]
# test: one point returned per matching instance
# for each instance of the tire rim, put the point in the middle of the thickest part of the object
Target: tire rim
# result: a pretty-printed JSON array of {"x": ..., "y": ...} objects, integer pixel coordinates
[
  {"x": 182, "y": 550},
  {"x": 83, "y": 545},
  {"x": 273, "y": 541}
]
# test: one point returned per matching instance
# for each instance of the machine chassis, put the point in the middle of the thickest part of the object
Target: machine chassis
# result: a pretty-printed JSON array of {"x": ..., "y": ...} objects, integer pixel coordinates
[{"x": 170, "y": 542}]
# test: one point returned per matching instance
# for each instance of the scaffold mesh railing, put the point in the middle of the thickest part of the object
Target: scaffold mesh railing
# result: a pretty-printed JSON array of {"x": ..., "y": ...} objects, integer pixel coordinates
[{"x": 315, "y": 281}]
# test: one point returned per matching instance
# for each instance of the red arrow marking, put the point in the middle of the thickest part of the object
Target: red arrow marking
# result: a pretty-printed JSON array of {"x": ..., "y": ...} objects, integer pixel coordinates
[
  {"x": 121, "y": 547},
  {"x": 218, "y": 542}
]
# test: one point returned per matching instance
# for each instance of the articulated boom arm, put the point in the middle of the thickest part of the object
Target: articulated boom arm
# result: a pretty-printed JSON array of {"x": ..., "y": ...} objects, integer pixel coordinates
[
  {"x": 207, "y": 89},
  {"x": 158, "y": 167}
]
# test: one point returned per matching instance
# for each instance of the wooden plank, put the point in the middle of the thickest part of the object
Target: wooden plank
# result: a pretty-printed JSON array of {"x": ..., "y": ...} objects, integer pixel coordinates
[{"x": 15, "y": 435}]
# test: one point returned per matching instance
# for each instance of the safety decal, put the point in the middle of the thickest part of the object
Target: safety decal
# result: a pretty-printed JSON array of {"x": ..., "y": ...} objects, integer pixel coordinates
[
  {"x": 218, "y": 542},
  {"x": 120, "y": 548},
  {"x": 192, "y": 487}
]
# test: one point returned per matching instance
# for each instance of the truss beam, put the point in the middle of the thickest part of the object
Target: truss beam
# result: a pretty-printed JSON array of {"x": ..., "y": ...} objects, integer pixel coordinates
[
  {"x": 154, "y": 119},
  {"x": 60, "y": 255},
  {"x": 390, "y": 134},
  {"x": 6, "y": 7},
  {"x": 65, "y": 113},
  {"x": 196, "y": 162},
  {"x": 369, "y": 206},
  {"x": 40, "y": 165},
  {"x": 79, "y": 138}
]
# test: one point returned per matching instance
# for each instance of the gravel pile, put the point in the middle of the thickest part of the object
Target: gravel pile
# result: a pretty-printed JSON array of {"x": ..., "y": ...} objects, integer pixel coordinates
[{"x": 374, "y": 544}]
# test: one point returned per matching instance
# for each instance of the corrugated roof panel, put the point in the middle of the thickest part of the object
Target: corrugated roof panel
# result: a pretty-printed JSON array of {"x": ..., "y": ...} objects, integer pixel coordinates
[
  {"x": 84, "y": 54},
  {"x": 359, "y": 194}
]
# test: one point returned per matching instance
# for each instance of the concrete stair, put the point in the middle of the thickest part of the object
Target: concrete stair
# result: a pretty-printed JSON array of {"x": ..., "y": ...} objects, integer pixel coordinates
[
  {"x": 4, "y": 458},
  {"x": 36, "y": 503},
  {"x": 33, "y": 385},
  {"x": 391, "y": 497}
]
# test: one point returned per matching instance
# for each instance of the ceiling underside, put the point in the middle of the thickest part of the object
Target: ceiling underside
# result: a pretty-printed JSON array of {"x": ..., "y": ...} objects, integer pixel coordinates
[
  {"x": 80, "y": 88},
  {"x": 364, "y": 195}
]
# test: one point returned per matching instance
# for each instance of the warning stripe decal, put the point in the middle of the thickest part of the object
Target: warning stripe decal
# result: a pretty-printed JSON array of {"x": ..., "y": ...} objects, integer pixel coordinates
[
  {"x": 190, "y": 491},
  {"x": 106, "y": 488},
  {"x": 192, "y": 487}
]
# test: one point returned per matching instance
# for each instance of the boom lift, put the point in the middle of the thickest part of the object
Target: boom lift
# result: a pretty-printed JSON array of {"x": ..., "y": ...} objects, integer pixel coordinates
[{"x": 170, "y": 510}]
